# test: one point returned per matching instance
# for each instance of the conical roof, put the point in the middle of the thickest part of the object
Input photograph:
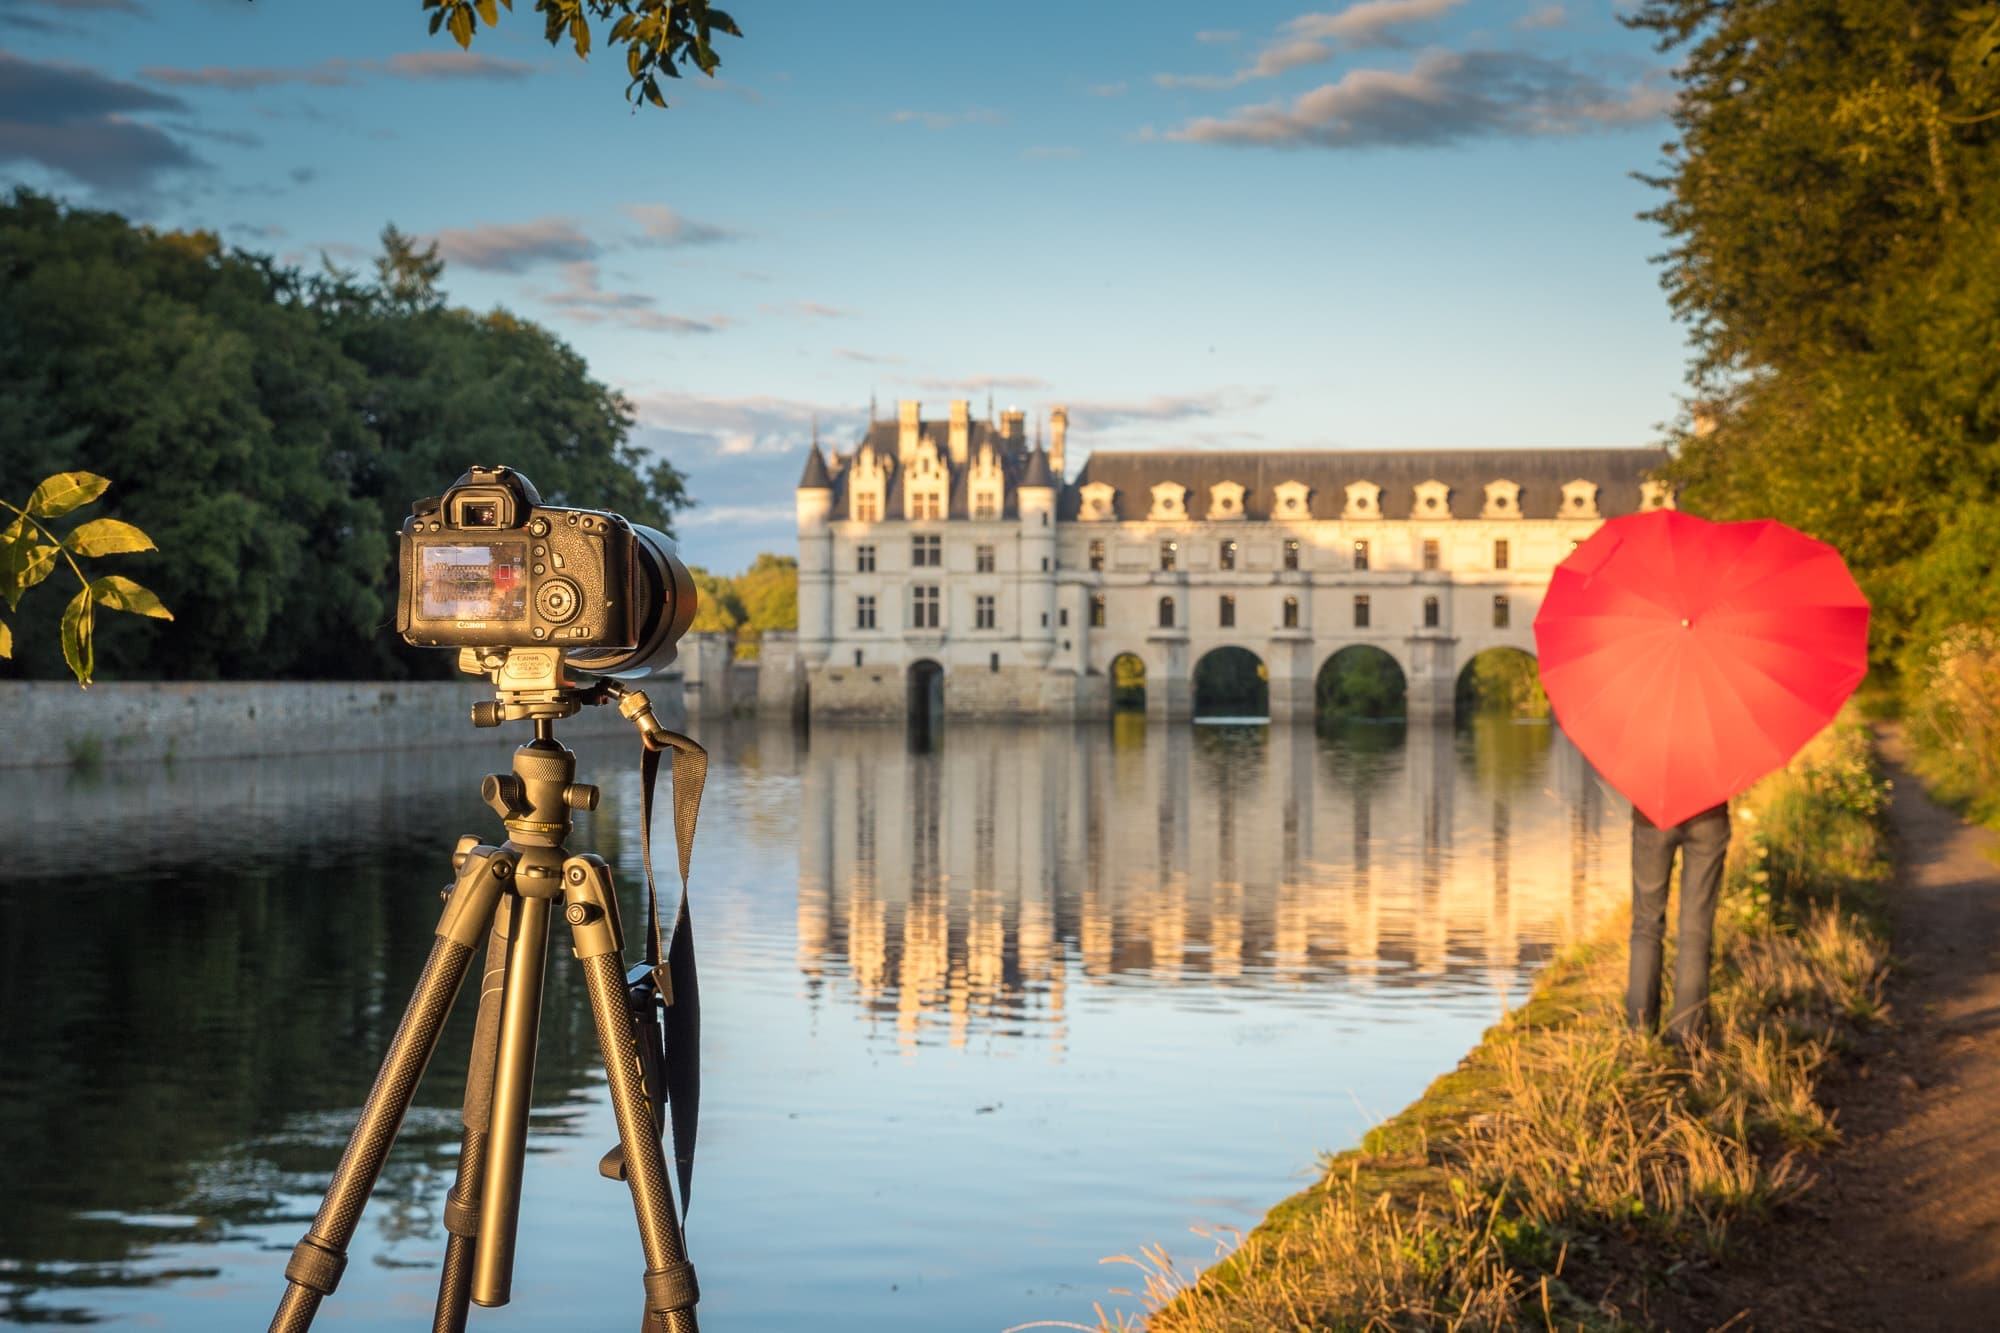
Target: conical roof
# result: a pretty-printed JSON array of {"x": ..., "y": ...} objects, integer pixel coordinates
[
  {"x": 1037, "y": 472},
  {"x": 815, "y": 477}
]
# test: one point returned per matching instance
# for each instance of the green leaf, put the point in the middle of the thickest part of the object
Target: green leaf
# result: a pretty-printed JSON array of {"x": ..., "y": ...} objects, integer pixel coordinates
[
  {"x": 579, "y": 33},
  {"x": 6, "y": 639},
  {"x": 107, "y": 536},
  {"x": 119, "y": 593},
  {"x": 24, "y": 563},
  {"x": 65, "y": 491},
  {"x": 461, "y": 26},
  {"x": 489, "y": 12},
  {"x": 76, "y": 627}
]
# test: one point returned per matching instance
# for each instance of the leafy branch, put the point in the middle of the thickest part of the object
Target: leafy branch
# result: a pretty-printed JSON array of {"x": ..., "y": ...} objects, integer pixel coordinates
[
  {"x": 29, "y": 549},
  {"x": 657, "y": 35}
]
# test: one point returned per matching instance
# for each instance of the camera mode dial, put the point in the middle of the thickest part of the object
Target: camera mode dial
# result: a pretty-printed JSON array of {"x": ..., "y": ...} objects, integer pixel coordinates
[{"x": 558, "y": 600}]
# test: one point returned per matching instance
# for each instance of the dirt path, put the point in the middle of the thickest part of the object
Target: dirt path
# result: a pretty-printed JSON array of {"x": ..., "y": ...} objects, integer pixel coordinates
[{"x": 1903, "y": 1231}]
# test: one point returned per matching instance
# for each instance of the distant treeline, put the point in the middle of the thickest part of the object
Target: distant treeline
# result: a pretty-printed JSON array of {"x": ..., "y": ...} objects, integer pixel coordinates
[
  {"x": 269, "y": 428},
  {"x": 763, "y": 597}
]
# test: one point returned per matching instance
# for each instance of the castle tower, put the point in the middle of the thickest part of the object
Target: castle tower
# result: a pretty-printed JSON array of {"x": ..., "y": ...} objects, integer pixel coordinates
[
  {"x": 1036, "y": 499},
  {"x": 814, "y": 506}
]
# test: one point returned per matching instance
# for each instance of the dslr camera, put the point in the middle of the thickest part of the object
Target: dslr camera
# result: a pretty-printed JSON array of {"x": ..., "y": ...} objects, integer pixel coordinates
[{"x": 487, "y": 565}]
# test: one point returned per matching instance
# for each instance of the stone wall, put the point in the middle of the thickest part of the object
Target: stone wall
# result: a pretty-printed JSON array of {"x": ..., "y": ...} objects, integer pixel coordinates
[
  {"x": 55, "y": 723},
  {"x": 861, "y": 693}
]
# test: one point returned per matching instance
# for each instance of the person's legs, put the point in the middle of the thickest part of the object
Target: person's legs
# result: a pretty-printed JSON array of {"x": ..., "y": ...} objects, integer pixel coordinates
[
  {"x": 1652, "y": 866},
  {"x": 1704, "y": 847}
]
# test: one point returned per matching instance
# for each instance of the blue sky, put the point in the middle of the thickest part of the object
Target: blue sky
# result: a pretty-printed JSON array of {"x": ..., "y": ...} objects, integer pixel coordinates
[{"x": 1392, "y": 224}]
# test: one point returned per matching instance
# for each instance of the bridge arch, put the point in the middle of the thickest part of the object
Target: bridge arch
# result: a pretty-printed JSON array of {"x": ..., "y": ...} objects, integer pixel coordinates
[
  {"x": 1231, "y": 681},
  {"x": 1361, "y": 682},
  {"x": 1127, "y": 670},
  {"x": 1502, "y": 681},
  {"x": 924, "y": 683}
]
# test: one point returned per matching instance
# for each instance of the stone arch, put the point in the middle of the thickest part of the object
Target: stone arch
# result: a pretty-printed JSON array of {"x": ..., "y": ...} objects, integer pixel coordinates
[
  {"x": 1128, "y": 682},
  {"x": 1231, "y": 681},
  {"x": 925, "y": 686},
  {"x": 1499, "y": 681},
  {"x": 1361, "y": 682}
]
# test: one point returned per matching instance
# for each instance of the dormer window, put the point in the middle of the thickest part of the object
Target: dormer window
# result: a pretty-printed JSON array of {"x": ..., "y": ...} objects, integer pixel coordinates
[
  {"x": 1169, "y": 501},
  {"x": 1097, "y": 502},
  {"x": 1655, "y": 495},
  {"x": 1225, "y": 500},
  {"x": 1433, "y": 500},
  {"x": 1579, "y": 499},
  {"x": 1503, "y": 500},
  {"x": 1291, "y": 500},
  {"x": 1364, "y": 500}
]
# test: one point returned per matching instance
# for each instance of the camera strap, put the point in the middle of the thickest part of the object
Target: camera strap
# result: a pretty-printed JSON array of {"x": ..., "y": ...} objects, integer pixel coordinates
[{"x": 671, "y": 962}]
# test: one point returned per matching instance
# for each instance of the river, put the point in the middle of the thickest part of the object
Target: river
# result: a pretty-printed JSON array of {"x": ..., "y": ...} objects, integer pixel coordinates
[{"x": 974, "y": 1018}]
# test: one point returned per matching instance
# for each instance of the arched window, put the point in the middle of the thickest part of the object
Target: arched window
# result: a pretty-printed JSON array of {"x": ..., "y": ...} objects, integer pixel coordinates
[
  {"x": 1430, "y": 612},
  {"x": 1166, "y": 613},
  {"x": 1291, "y": 613}
]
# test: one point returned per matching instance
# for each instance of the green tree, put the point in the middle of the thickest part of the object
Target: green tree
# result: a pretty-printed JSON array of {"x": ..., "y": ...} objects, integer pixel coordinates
[
  {"x": 769, "y": 594},
  {"x": 720, "y": 612},
  {"x": 658, "y": 36},
  {"x": 1832, "y": 200}
]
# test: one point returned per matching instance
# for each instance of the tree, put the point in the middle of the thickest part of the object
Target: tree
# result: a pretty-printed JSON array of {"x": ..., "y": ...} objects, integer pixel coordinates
[
  {"x": 659, "y": 36},
  {"x": 719, "y": 612},
  {"x": 1831, "y": 201},
  {"x": 769, "y": 594}
]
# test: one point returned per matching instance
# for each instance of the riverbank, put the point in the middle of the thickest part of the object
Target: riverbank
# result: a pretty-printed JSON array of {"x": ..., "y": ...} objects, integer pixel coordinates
[
  {"x": 1569, "y": 1173},
  {"x": 52, "y": 723}
]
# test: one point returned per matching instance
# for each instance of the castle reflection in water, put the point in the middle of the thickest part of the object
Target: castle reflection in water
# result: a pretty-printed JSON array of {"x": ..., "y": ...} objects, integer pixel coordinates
[{"x": 978, "y": 888}]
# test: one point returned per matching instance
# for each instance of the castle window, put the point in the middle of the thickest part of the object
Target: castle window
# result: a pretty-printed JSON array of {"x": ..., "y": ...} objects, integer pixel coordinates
[
  {"x": 1500, "y": 554},
  {"x": 1361, "y": 611},
  {"x": 1062, "y": 617},
  {"x": 1097, "y": 555},
  {"x": 1229, "y": 555},
  {"x": 1291, "y": 613},
  {"x": 1361, "y": 555},
  {"x": 986, "y": 505},
  {"x": 1166, "y": 613},
  {"x": 1430, "y": 613},
  {"x": 864, "y": 612},
  {"x": 1430, "y": 553},
  {"x": 1045, "y": 564},
  {"x": 1169, "y": 553},
  {"x": 1097, "y": 610},
  {"x": 857, "y": 657},
  {"x": 1291, "y": 553},
  {"x": 983, "y": 616},
  {"x": 1501, "y": 612},
  {"x": 982, "y": 560},
  {"x": 926, "y": 504},
  {"x": 928, "y": 550},
  {"x": 924, "y": 606},
  {"x": 867, "y": 509},
  {"x": 864, "y": 560},
  {"x": 993, "y": 663},
  {"x": 1226, "y": 614}
]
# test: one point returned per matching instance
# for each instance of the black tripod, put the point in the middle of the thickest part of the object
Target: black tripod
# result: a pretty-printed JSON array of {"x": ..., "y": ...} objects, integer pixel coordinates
[{"x": 505, "y": 894}]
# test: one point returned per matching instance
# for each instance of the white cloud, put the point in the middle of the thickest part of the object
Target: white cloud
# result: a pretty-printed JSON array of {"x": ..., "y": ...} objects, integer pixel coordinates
[
  {"x": 511, "y": 247},
  {"x": 669, "y": 228},
  {"x": 1548, "y": 16},
  {"x": 1312, "y": 39},
  {"x": 583, "y": 299}
]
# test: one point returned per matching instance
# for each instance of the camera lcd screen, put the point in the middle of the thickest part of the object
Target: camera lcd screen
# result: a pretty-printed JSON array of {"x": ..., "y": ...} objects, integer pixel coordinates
[{"x": 484, "y": 582}]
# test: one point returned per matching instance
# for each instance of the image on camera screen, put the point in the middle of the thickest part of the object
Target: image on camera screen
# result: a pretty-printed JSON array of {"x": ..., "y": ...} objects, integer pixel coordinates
[{"x": 485, "y": 582}]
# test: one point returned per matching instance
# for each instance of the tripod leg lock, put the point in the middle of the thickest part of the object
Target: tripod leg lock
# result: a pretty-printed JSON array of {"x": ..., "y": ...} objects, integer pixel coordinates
[
  {"x": 671, "y": 1288},
  {"x": 461, "y": 1216},
  {"x": 483, "y": 873},
  {"x": 315, "y": 1265}
]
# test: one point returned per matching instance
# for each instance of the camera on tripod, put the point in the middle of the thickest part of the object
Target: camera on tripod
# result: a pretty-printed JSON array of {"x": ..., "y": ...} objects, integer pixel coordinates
[{"x": 488, "y": 565}]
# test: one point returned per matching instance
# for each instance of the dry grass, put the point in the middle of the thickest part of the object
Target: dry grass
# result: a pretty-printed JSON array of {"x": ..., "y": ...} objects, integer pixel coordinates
[{"x": 1564, "y": 1133}]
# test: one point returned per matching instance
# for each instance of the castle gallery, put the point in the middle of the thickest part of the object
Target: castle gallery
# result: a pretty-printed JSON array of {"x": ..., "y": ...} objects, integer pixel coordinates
[{"x": 950, "y": 563}]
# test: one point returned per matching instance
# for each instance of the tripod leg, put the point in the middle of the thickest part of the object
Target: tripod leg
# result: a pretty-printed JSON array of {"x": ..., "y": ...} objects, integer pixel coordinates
[
  {"x": 592, "y": 912},
  {"x": 461, "y": 1209},
  {"x": 513, "y": 1093},
  {"x": 316, "y": 1262}
]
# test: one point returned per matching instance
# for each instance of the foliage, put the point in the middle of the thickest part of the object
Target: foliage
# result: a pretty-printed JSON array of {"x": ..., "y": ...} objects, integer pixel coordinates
[
  {"x": 1231, "y": 682},
  {"x": 769, "y": 593},
  {"x": 1502, "y": 681},
  {"x": 1359, "y": 682},
  {"x": 1568, "y": 1163},
  {"x": 271, "y": 428},
  {"x": 719, "y": 610},
  {"x": 1831, "y": 203},
  {"x": 1128, "y": 682},
  {"x": 1954, "y": 720},
  {"x": 658, "y": 35},
  {"x": 29, "y": 549}
]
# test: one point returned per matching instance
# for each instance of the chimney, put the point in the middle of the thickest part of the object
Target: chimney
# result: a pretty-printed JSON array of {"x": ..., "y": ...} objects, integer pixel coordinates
[
  {"x": 961, "y": 432},
  {"x": 1014, "y": 424},
  {"x": 1058, "y": 429},
  {"x": 907, "y": 420}
]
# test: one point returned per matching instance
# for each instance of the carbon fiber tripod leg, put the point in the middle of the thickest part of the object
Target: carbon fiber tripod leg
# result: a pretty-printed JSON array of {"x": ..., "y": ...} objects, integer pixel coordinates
[
  {"x": 592, "y": 913},
  {"x": 316, "y": 1262},
  {"x": 461, "y": 1209}
]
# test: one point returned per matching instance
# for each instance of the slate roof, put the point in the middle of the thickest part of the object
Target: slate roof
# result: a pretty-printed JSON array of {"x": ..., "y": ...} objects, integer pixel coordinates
[
  {"x": 1539, "y": 472},
  {"x": 885, "y": 438},
  {"x": 815, "y": 476}
]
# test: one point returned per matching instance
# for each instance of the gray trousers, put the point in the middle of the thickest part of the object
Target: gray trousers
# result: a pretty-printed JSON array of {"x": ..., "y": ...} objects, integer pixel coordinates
[{"x": 1703, "y": 841}]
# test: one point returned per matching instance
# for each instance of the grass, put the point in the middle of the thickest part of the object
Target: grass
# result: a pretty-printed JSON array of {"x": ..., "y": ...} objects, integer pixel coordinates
[
  {"x": 1568, "y": 1167},
  {"x": 1953, "y": 723}
]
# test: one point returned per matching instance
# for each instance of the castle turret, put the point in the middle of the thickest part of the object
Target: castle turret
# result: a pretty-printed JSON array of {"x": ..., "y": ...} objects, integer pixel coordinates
[
  {"x": 814, "y": 506},
  {"x": 1035, "y": 497}
]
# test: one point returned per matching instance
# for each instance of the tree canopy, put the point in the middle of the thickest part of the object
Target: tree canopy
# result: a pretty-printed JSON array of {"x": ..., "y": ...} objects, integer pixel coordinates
[
  {"x": 659, "y": 36},
  {"x": 269, "y": 429},
  {"x": 1832, "y": 200}
]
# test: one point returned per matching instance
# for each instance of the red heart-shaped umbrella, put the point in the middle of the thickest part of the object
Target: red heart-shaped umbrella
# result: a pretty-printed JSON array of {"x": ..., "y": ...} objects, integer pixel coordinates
[{"x": 1687, "y": 659}]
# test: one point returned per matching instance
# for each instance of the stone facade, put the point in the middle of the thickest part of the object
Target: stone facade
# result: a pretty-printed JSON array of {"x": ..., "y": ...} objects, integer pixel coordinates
[{"x": 954, "y": 546}]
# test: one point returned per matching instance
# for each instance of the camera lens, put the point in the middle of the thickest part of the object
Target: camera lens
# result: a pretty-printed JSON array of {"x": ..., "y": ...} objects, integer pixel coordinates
[{"x": 667, "y": 599}]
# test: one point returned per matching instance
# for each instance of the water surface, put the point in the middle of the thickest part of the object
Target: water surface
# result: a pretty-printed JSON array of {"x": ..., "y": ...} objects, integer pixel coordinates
[{"x": 974, "y": 1018}]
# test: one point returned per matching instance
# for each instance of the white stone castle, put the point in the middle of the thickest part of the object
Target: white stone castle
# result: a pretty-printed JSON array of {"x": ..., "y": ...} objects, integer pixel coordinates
[{"x": 950, "y": 563}]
